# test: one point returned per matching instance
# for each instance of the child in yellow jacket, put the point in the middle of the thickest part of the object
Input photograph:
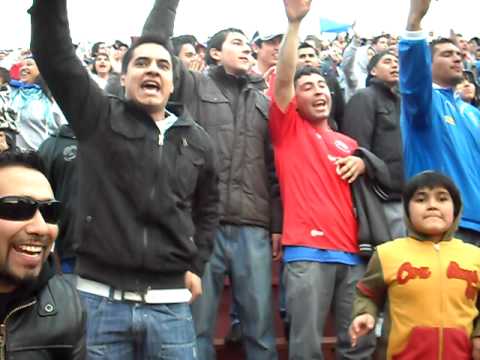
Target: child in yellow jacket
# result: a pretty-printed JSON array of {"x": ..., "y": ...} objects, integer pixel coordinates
[{"x": 430, "y": 278}]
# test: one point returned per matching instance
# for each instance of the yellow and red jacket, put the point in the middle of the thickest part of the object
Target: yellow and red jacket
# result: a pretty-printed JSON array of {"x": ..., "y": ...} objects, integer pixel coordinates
[{"x": 432, "y": 293}]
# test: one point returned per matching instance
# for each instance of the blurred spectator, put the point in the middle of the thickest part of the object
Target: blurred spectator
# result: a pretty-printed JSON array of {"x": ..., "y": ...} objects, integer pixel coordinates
[
  {"x": 102, "y": 69},
  {"x": 8, "y": 116},
  {"x": 468, "y": 89},
  {"x": 39, "y": 115},
  {"x": 266, "y": 50},
  {"x": 118, "y": 51}
]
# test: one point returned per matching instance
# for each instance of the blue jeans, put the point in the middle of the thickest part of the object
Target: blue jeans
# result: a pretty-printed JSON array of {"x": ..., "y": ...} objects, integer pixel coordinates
[
  {"x": 243, "y": 252},
  {"x": 120, "y": 330}
]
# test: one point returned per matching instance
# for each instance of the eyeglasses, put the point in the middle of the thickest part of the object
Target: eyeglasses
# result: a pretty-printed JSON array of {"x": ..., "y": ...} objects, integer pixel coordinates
[{"x": 18, "y": 208}]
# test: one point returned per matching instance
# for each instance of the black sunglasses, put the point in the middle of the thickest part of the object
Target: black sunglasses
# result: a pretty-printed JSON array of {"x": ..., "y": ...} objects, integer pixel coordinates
[{"x": 18, "y": 208}]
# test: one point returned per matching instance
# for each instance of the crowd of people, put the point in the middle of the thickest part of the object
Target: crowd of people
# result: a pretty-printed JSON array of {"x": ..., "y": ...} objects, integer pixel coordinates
[{"x": 165, "y": 165}]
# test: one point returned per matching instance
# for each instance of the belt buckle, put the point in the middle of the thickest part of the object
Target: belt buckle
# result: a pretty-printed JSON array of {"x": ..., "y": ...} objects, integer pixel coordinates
[{"x": 132, "y": 296}]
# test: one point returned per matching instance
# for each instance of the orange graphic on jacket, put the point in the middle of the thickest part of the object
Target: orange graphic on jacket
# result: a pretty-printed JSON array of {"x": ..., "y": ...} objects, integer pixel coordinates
[
  {"x": 454, "y": 271},
  {"x": 407, "y": 272}
]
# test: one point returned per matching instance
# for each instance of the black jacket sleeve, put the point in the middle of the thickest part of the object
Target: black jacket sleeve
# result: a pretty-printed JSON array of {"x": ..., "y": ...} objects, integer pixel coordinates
[
  {"x": 359, "y": 119},
  {"x": 77, "y": 94},
  {"x": 205, "y": 212},
  {"x": 160, "y": 23}
]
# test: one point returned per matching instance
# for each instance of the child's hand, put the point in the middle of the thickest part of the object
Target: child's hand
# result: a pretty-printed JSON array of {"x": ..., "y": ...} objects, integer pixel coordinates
[
  {"x": 361, "y": 326},
  {"x": 476, "y": 348}
]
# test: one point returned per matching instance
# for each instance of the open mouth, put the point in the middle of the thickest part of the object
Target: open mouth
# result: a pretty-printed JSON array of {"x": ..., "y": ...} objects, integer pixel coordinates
[
  {"x": 29, "y": 250},
  {"x": 320, "y": 103},
  {"x": 150, "y": 86}
]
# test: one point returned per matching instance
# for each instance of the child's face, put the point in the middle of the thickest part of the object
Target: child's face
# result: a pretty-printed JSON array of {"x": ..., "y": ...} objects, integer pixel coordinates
[{"x": 431, "y": 211}]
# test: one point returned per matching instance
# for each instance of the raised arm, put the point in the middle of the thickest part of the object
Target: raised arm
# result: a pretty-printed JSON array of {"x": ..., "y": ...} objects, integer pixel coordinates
[
  {"x": 416, "y": 69},
  {"x": 161, "y": 19},
  {"x": 160, "y": 22},
  {"x": 418, "y": 10},
  {"x": 79, "y": 97},
  {"x": 287, "y": 62}
]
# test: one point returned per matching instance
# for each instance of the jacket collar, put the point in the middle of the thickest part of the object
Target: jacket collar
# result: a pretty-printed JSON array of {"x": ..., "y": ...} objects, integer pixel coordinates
[
  {"x": 250, "y": 80},
  {"x": 392, "y": 92}
]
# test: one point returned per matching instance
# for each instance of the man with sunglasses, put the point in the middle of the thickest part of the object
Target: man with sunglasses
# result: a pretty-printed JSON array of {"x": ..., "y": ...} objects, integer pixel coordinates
[
  {"x": 148, "y": 195},
  {"x": 41, "y": 315}
]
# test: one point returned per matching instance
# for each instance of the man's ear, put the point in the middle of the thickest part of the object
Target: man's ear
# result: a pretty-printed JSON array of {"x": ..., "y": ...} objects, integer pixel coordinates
[
  {"x": 122, "y": 80},
  {"x": 215, "y": 54}
]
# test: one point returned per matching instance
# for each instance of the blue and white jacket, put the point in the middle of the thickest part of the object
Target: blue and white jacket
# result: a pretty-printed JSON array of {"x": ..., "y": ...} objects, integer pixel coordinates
[{"x": 438, "y": 134}]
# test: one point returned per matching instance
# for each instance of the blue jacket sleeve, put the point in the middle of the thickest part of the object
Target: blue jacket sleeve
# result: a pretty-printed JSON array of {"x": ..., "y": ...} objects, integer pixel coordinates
[{"x": 416, "y": 82}]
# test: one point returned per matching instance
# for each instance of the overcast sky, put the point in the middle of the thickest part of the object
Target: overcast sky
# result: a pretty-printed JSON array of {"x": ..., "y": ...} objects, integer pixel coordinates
[{"x": 93, "y": 20}]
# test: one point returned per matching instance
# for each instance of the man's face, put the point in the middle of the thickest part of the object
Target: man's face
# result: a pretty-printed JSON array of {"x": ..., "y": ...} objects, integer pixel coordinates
[
  {"x": 447, "y": 68},
  {"x": 29, "y": 71},
  {"x": 477, "y": 54},
  {"x": 313, "y": 97},
  {"x": 235, "y": 55},
  {"x": 387, "y": 69},
  {"x": 267, "y": 52},
  {"x": 381, "y": 44},
  {"x": 462, "y": 43},
  {"x": 187, "y": 54},
  {"x": 120, "y": 52},
  {"x": 24, "y": 244},
  {"x": 431, "y": 211},
  {"x": 149, "y": 80},
  {"x": 102, "y": 64},
  {"x": 308, "y": 57},
  {"x": 466, "y": 90}
]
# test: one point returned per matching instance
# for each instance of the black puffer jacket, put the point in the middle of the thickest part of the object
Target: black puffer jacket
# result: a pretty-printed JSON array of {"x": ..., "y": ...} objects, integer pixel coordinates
[
  {"x": 372, "y": 117},
  {"x": 48, "y": 324},
  {"x": 249, "y": 191},
  {"x": 59, "y": 153}
]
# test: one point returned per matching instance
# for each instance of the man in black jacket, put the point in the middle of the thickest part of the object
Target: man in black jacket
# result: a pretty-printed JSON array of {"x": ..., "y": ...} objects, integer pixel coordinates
[
  {"x": 372, "y": 117},
  {"x": 229, "y": 104},
  {"x": 41, "y": 314},
  {"x": 148, "y": 195},
  {"x": 59, "y": 153}
]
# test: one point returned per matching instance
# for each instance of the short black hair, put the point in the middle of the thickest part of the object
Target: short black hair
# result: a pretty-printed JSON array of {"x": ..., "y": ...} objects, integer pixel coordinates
[
  {"x": 216, "y": 42},
  {"x": 305, "y": 45},
  {"x": 440, "y": 41},
  {"x": 179, "y": 41},
  {"x": 305, "y": 71},
  {"x": 431, "y": 179},
  {"x": 27, "y": 159},
  {"x": 146, "y": 39}
]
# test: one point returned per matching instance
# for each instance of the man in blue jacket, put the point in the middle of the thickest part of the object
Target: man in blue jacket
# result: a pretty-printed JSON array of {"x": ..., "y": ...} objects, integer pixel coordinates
[{"x": 436, "y": 133}]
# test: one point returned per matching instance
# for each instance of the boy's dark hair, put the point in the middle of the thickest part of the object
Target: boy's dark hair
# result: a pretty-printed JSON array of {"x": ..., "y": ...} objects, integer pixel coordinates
[
  {"x": 305, "y": 45},
  {"x": 440, "y": 41},
  {"x": 305, "y": 71},
  {"x": 431, "y": 179},
  {"x": 27, "y": 159},
  {"x": 146, "y": 39},
  {"x": 216, "y": 42},
  {"x": 179, "y": 41}
]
